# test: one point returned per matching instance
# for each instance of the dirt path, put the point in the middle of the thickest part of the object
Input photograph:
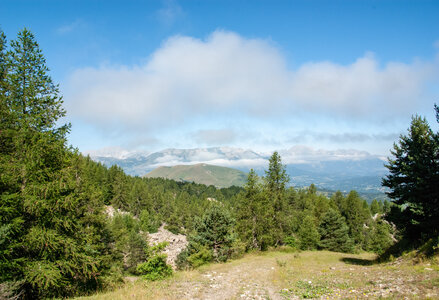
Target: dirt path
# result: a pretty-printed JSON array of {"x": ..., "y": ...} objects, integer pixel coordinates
[
  {"x": 278, "y": 275},
  {"x": 255, "y": 280}
]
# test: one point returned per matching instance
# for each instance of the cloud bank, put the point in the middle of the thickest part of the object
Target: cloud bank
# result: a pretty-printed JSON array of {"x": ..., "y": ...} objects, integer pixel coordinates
[{"x": 188, "y": 78}]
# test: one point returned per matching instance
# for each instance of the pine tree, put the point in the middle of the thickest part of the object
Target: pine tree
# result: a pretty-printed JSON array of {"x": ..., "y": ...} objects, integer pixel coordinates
[
  {"x": 335, "y": 233},
  {"x": 308, "y": 234},
  {"x": 34, "y": 98},
  {"x": 413, "y": 180},
  {"x": 356, "y": 216},
  {"x": 380, "y": 236},
  {"x": 214, "y": 230},
  {"x": 375, "y": 207},
  {"x": 339, "y": 201},
  {"x": 52, "y": 222},
  {"x": 276, "y": 180},
  {"x": 254, "y": 222}
]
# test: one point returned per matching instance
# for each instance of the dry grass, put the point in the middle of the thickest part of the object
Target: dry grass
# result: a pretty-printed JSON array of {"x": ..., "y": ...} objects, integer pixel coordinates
[{"x": 280, "y": 275}]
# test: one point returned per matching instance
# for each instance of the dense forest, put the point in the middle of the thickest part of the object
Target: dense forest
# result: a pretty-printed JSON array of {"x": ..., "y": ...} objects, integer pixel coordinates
[{"x": 57, "y": 240}]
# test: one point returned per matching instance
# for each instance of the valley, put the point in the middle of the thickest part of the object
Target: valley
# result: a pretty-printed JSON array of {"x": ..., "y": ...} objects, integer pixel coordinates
[{"x": 343, "y": 170}]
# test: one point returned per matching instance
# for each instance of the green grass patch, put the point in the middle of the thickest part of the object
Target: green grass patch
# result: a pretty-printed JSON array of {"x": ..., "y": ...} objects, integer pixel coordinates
[{"x": 307, "y": 290}]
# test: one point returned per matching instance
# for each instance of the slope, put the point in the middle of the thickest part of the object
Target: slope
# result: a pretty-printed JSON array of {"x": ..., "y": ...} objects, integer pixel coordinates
[{"x": 202, "y": 173}]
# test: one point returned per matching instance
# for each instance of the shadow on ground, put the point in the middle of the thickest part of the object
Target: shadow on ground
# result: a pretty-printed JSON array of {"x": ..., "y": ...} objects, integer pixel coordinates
[{"x": 358, "y": 261}]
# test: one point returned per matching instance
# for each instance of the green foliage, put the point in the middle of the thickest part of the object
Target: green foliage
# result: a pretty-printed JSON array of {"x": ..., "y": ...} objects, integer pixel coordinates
[
  {"x": 269, "y": 214},
  {"x": 380, "y": 236},
  {"x": 52, "y": 233},
  {"x": 155, "y": 268},
  {"x": 413, "y": 178},
  {"x": 276, "y": 180},
  {"x": 308, "y": 234},
  {"x": 214, "y": 230},
  {"x": 375, "y": 208},
  {"x": 254, "y": 215},
  {"x": 11, "y": 290},
  {"x": 130, "y": 246},
  {"x": 356, "y": 215},
  {"x": 200, "y": 257},
  {"x": 237, "y": 249},
  {"x": 291, "y": 241},
  {"x": 32, "y": 96},
  {"x": 334, "y": 233},
  {"x": 307, "y": 290}
]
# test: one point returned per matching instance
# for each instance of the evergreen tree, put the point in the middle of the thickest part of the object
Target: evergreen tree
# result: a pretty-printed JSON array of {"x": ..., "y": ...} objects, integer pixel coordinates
[
  {"x": 130, "y": 246},
  {"x": 214, "y": 230},
  {"x": 53, "y": 230},
  {"x": 380, "y": 236},
  {"x": 33, "y": 97},
  {"x": 413, "y": 180},
  {"x": 334, "y": 233},
  {"x": 375, "y": 207},
  {"x": 339, "y": 200},
  {"x": 276, "y": 180},
  {"x": 356, "y": 216},
  {"x": 308, "y": 234},
  {"x": 254, "y": 222}
]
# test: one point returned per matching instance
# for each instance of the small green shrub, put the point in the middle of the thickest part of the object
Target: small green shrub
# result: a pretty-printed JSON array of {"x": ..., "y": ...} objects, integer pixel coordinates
[
  {"x": 291, "y": 241},
  {"x": 237, "y": 249},
  {"x": 182, "y": 262},
  {"x": 201, "y": 257},
  {"x": 155, "y": 268}
]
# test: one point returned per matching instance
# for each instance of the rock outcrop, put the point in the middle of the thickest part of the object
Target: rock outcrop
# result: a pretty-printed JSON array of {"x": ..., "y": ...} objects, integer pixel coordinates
[{"x": 177, "y": 243}]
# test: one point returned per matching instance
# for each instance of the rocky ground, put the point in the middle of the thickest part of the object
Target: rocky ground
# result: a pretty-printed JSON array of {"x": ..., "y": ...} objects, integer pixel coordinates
[{"x": 305, "y": 275}]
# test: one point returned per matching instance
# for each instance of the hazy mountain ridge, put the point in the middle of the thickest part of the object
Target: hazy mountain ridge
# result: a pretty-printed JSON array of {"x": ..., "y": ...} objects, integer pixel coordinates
[{"x": 330, "y": 170}]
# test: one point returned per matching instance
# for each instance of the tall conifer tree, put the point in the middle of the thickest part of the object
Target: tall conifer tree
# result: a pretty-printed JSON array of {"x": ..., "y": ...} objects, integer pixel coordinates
[
  {"x": 53, "y": 222},
  {"x": 276, "y": 180},
  {"x": 413, "y": 180}
]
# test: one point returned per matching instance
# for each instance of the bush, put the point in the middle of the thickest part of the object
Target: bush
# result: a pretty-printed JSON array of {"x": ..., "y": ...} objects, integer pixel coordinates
[
  {"x": 201, "y": 257},
  {"x": 238, "y": 249},
  {"x": 291, "y": 241},
  {"x": 182, "y": 262},
  {"x": 155, "y": 268}
]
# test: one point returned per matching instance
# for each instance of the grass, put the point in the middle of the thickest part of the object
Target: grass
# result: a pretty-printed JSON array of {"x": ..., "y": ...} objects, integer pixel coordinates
[{"x": 284, "y": 275}]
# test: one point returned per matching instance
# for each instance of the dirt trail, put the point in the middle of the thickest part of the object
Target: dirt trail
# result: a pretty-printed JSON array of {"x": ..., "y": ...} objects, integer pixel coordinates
[
  {"x": 279, "y": 275},
  {"x": 256, "y": 280}
]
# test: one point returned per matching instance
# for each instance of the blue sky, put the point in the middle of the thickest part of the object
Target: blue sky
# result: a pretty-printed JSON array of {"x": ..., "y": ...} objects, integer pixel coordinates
[{"x": 265, "y": 75}]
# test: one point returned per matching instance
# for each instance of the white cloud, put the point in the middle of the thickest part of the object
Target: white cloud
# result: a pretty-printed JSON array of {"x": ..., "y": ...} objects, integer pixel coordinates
[
  {"x": 305, "y": 154},
  {"x": 341, "y": 137},
  {"x": 189, "y": 78},
  {"x": 361, "y": 87}
]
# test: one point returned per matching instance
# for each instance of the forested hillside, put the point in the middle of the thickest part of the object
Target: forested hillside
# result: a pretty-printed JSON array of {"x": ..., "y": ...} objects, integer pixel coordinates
[
  {"x": 56, "y": 239},
  {"x": 201, "y": 173}
]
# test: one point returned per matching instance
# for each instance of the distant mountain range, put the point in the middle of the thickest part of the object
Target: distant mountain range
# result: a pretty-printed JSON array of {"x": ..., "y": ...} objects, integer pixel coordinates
[
  {"x": 329, "y": 170},
  {"x": 202, "y": 173}
]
